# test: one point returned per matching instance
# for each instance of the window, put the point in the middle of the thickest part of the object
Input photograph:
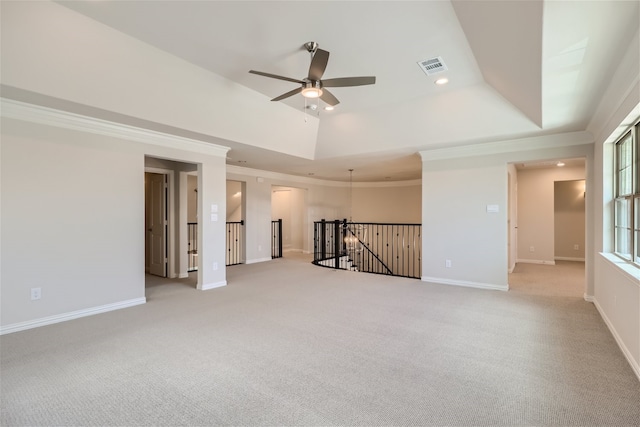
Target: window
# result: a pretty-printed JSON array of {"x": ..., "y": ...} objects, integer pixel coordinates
[{"x": 627, "y": 193}]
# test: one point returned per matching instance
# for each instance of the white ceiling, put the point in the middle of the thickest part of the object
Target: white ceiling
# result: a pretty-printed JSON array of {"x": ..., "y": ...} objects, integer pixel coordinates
[{"x": 515, "y": 68}]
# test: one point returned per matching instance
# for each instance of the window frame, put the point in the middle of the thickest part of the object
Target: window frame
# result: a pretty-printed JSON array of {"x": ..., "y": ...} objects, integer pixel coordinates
[{"x": 626, "y": 224}]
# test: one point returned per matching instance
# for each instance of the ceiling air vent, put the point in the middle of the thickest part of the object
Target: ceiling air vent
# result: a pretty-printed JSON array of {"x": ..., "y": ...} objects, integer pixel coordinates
[{"x": 432, "y": 66}]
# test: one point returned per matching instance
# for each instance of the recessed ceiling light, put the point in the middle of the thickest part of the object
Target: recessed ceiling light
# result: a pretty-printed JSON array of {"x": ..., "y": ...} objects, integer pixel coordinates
[
  {"x": 329, "y": 108},
  {"x": 442, "y": 81}
]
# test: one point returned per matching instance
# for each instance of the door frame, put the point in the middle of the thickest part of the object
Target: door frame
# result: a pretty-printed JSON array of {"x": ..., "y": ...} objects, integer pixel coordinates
[
  {"x": 302, "y": 216},
  {"x": 171, "y": 218}
]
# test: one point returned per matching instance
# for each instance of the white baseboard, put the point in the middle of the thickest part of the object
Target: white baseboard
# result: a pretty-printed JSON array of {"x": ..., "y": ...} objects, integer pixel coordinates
[
  {"x": 208, "y": 286},
  {"x": 50, "y": 320},
  {"x": 254, "y": 261},
  {"x": 293, "y": 250},
  {"x": 183, "y": 275},
  {"x": 465, "y": 283},
  {"x": 567, "y": 258},
  {"x": 588, "y": 298},
  {"x": 635, "y": 366},
  {"x": 536, "y": 261}
]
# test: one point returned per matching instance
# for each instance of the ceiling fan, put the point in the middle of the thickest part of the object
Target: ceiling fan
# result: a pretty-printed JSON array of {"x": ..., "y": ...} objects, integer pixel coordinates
[{"x": 313, "y": 86}]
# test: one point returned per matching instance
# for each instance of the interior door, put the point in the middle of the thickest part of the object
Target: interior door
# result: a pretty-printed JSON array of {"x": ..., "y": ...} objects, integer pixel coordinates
[{"x": 157, "y": 225}]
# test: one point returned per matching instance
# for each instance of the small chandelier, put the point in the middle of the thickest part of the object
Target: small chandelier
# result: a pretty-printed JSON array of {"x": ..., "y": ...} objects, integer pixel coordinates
[{"x": 350, "y": 239}]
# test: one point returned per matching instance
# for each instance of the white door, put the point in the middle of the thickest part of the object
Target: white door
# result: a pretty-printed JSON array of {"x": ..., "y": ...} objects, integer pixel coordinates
[{"x": 157, "y": 224}]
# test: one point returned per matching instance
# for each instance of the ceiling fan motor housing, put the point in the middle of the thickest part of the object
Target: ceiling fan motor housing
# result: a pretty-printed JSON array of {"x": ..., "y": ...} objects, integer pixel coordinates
[{"x": 311, "y": 46}]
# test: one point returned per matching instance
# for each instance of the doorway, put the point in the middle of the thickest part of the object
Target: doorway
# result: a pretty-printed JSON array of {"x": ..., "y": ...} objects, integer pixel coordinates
[
  {"x": 547, "y": 227},
  {"x": 166, "y": 223},
  {"x": 289, "y": 205},
  {"x": 569, "y": 220},
  {"x": 235, "y": 219}
]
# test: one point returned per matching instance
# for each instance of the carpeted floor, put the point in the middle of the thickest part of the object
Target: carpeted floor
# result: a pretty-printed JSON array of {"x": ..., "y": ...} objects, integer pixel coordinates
[
  {"x": 288, "y": 343},
  {"x": 564, "y": 279}
]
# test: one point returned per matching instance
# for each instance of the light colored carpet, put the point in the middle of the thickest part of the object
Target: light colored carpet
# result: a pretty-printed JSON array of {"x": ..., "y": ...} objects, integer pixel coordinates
[
  {"x": 565, "y": 278},
  {"x": 288, "y": 343}
]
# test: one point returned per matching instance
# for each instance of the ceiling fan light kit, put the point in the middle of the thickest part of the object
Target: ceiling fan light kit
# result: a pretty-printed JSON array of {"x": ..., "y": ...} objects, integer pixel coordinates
[
  {"x": 313, "y": 86},
  {"x": 312, "y": 90}
]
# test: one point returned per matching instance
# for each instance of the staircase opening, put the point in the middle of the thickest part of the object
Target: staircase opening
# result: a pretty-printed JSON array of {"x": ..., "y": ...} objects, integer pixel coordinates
[{"x": 379, "y": 248}]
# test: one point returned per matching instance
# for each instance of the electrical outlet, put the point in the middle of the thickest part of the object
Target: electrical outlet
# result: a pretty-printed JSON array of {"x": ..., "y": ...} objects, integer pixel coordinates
[
  {"x": 259, "y": 248},
  {"x": 532, "y": 249},
  {"x": 447, "y": 263},
  {"x": 576, "y": 247},
  {"x": 36, "y": 294},
  {"x": 215, "y": 265}
]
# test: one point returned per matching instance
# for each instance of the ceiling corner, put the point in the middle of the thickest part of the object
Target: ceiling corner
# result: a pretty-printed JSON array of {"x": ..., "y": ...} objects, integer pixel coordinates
[{"x": 506, "y": 40}]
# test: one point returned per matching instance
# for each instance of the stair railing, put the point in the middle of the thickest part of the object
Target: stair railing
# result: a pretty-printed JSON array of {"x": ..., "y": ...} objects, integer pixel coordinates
[
  {"x": 381, "y": 248},
  {"x": 361, "y": 255},
  {"x": 276, "y": 238},
  {"x": 235, "y": 238},
  {"x": 328, "y": 243},
  {"x": 192, "y": 243}
]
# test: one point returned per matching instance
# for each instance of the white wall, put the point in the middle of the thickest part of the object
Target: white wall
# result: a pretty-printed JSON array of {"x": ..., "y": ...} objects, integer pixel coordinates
[
  {"x": 569, "y": 221},
  {"x": 380, "y": 203},
  {"x": 234, "y": 201},
  {"x": 456, "y": 225},
  {"x": 73, "y": 223},
  {"x": 616, "y": 293},
  {"x": 512, "y": 216},
  {"x": 536, "y": 214},
  {"x": 457, "y": 186},
  {"x": 288, "y": 204},
  {"x": 70, "y": 225},
  {"x": 281, "y": 209},
  {"x": 192, "y": 198},
  {"x": 298, "y": 215}
]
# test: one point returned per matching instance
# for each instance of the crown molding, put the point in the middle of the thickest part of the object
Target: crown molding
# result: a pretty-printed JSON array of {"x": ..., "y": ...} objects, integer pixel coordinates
[
  {"x": 629, "y": 122},
  {"x": 48, "y": 116},
  {"x": 509, "y": 146},
  {"x": 278, "y": 176}
]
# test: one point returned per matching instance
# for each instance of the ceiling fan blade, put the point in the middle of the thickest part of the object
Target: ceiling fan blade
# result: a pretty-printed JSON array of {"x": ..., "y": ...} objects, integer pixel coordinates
[
  {"x": 318, "y": 64},
  {"x": 275, "y": 76},
  {"x": 329, "y": 98},
  {"x": 349, "y": 81},
  {"x": 288, "y": 94}
]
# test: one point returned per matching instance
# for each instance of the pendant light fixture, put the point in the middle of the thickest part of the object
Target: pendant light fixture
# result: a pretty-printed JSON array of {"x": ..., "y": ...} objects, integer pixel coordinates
[{"x": 350, "y": 238}]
